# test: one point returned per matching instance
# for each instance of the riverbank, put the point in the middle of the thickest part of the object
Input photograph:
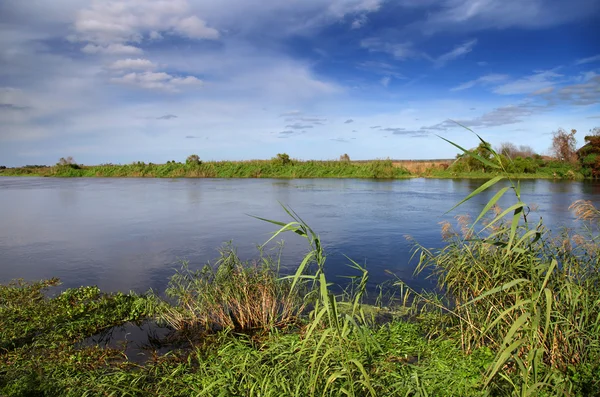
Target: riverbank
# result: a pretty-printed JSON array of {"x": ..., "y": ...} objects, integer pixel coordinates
[
  {"x": 376, "y": 169},
  {"x": 519, "y": 317}
]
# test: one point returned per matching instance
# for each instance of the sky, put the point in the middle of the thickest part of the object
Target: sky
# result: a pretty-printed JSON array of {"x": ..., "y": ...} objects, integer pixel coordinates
[{"x": 117, "y": 81}]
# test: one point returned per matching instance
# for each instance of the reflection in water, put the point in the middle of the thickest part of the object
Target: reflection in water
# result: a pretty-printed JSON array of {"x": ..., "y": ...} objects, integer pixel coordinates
[{"x": 123, "y": 234}]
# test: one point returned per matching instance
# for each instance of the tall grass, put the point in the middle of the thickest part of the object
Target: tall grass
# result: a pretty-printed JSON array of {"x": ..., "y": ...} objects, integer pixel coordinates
[
  {"x": 227, "y": 169},
  {"x": 533, "y": 299},
  {"x": 233, "y": 295}
]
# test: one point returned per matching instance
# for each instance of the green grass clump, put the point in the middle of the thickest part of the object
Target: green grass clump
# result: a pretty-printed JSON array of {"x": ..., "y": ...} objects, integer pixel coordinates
[{"x": 233, "y": 295}]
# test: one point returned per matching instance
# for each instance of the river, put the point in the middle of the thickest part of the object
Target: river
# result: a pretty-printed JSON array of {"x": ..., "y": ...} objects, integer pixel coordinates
[{"x": 132, "y": 234}]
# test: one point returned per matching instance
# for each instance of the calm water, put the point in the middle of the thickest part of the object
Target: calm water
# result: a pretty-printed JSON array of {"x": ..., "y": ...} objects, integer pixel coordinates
[{"x": 123, "y": 234}]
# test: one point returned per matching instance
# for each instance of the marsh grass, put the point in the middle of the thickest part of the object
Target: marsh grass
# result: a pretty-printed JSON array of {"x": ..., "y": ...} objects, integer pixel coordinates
[
  {"x": 513, "y": 288},
  {"x": 227, "y": 169},
  {"x": 234, "y": 295}
]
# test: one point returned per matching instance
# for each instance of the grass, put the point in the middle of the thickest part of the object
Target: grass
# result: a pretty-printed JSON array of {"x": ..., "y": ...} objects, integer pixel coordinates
[
  {"x": 225, "y": 169},
  {"x": 516, "y": 313},
  {"x": 376, "y": 169}
]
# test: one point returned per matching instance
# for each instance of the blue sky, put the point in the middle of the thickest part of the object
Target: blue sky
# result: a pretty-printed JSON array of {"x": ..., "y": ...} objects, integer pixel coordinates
[{"x": 156, "y": 80}]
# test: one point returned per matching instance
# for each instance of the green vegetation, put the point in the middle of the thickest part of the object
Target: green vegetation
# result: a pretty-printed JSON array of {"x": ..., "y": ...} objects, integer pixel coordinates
[
  {"x": 279, "y": 167},
  {"x": 589, "y": 154},
  {"x": 517, "y": 162},
  {"x": 519, "y": 317}
]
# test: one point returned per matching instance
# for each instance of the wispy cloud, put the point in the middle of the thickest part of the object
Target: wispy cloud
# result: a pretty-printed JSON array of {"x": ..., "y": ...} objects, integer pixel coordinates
[
  {"x": 167, "y": 117},
  {"x": 298, "y": 126},
  {"x": 473, "y": 15},
  {"x": 483, "y": 80},
  {"x": 112, "y": 49},
  {"x": 582, "y": 61},
  {"x": 457, "y": 52},
  {"x": 359, "y": 22},
  {"x": 397, "y": 50},
  {"x": 381, "y": 68},
  {"x": 529, "y": 84},
  {"x": 348, "y": 121},
  {"x": 394, "y": 130},
  {"x": 157, "y": 81},
  {"x": 132, "y": 64}
]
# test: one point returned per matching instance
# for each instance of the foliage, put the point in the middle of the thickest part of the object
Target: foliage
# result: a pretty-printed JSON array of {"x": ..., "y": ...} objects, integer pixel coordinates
[
  {"x": 232, "y": 295},
  {"x": 228, "y": 169},
  {"x": 193, "y": 159},
  {"x": 511, "y": 150},
  {"x": 67, "y": 164},
  {"x": 589, "y": 154},
  {"x": 529, "y": 297},
  {"x": 564, "y": 145},
  {"x": 345, "y": 157},
  {"x": 282, "y": 159},
  {"x": 466, "y": 162}
]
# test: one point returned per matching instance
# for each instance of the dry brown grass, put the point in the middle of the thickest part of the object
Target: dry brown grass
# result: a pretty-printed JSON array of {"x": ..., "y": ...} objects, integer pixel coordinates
[{"x": 422, "y": 166}]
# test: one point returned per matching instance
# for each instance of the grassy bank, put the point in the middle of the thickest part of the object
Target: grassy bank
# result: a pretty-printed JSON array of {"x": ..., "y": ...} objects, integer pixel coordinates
[
  {"x": 223, "y": 169},
  {"x": 377, "y": 169}
]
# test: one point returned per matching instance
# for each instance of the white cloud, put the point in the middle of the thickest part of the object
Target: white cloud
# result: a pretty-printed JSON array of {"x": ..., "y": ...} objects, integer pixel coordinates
[
  {"x": 359, "y": 22},
  {"x": 112, "y": 49},
  {"x": 483, "y": 80},
  {"x": 455, "y": 53},
  {"x": 529, "y": 84},
  {"x": 156, "y": 81},
  {"x": 134, "y": 64},
  {"x": 195, "y": 28},
  {"x": 595, "y": 58},
  {"x": 385, "y": 81},
  {"x": 129, "y": 21}
]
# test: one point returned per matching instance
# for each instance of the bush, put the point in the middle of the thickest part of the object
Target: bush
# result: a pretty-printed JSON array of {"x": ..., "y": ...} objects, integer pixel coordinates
[
  {"x": 193, "y": 159},
  {"x": 2, "y": 167},
  {"x": 282, "y": 159},
  {"x": 523, "y": 166},
  {"x": 68, "y": 163}
]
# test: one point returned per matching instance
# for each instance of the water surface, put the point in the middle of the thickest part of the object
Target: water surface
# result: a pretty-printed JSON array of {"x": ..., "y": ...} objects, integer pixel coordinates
[{"x": 131, "y": 234}]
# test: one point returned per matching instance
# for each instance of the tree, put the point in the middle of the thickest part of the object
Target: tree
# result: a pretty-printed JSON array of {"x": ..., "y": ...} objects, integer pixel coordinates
[
  {"x": 511, "y": 150},
  {"x": 589, "y": 154},
  {"x": 345, "y": 158},
  {"x": 564, "y": 145},
  {"x": 508, "y": 149},
  {"x": 193, "y": 159},
  {"x": 283, "y": 159},
  {"x": 66, "y": 161}
]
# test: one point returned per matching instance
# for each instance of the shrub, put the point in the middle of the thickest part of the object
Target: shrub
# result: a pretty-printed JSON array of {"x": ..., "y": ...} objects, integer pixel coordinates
[
  {"x": 68, "y": 163},
  {"x": 282, "y": 159},
  {"x": 193, "y": 159}
]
